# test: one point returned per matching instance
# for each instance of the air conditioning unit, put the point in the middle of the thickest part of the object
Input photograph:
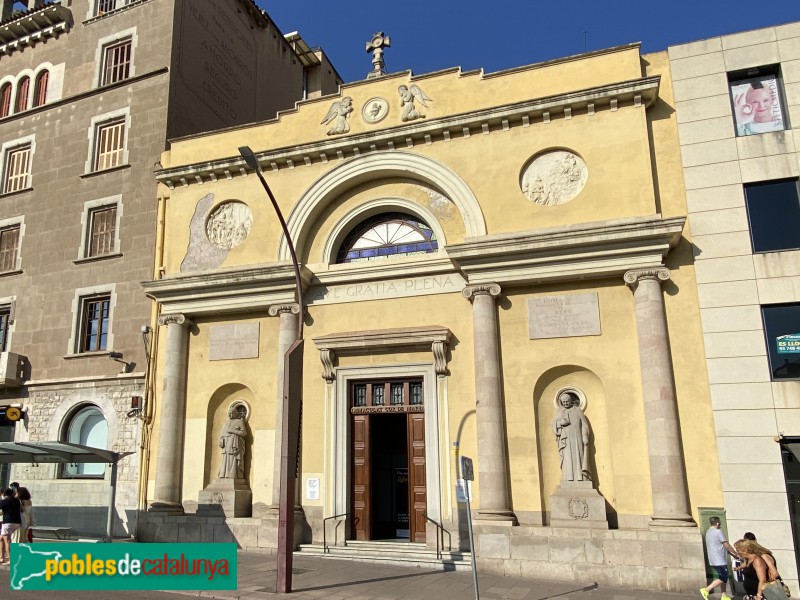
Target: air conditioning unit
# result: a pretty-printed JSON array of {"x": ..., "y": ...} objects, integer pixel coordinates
[{"x": 11, "y": 369}]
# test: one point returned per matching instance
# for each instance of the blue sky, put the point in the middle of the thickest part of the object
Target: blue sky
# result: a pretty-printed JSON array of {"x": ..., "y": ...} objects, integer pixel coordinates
[{"x": 437, "y": 34}]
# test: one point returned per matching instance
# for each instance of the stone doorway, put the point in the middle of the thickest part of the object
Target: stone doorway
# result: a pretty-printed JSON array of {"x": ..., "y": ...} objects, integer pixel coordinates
[{"x": 388, "y": 495}]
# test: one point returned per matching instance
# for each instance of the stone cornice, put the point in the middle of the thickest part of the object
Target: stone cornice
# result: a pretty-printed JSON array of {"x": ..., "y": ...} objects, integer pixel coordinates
[
  {"x": 232, "y": 290},
  {"x": 433, "y": 338},
  {"x": 357, "y": 341},
  {"x": 33, "y": 27},
  {"x": 539, "y": 111},
  {"x": 583, "y": 251}
]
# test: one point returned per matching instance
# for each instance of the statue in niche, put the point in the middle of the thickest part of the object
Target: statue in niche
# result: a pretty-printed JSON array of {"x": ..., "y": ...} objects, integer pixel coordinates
[
  {"x": 232, "y": 444},
  {"x": 408, "y": 97},
  {"x": 338, "y": 113},
  {"x": 571, "y": 429}
]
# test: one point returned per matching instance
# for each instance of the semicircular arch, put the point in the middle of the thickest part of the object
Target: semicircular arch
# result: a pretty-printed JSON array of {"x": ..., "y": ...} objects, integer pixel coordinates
[
  {"x": 374, "y": 207},
  {"x": 373, "y": 166}
]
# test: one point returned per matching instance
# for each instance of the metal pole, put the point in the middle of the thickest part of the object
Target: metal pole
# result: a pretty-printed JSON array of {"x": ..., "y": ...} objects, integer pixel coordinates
[
  {"x": 293, "y": 392},
  {"x": 467, "y": 476},
  {"x": 472, "y": 544},
  {"x": 252, "y": 162},
  {"x": 112, "y": 500}
]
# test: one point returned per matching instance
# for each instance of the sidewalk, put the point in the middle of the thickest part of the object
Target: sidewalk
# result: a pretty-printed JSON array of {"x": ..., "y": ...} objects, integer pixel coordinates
[{"x": 332, "y": 579}]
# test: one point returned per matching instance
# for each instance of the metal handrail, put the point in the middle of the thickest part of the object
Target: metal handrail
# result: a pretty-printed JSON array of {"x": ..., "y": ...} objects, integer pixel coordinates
[
  {"x": 440, "y": 531},
  {"x": 325, "y": 530}
]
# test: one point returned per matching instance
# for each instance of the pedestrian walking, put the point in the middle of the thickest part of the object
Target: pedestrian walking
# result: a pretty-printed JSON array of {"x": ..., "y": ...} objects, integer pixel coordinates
[
  {"x": 718, "y": 548},
  {"x": 12, "y": 518},
  {"x": 24, "y": 533}
]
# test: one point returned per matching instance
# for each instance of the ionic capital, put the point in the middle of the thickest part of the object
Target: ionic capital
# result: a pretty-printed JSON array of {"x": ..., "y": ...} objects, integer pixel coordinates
[
  {"x": 659, "y": 274},
  {"x": 489, "y": 289},
  {"x": 176, "y": 319},
  {"x": 277, "y": 309}
]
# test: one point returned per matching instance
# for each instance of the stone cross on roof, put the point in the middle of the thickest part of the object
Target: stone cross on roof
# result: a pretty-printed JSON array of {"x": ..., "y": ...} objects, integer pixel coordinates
[{"x": 376, "y": 45}]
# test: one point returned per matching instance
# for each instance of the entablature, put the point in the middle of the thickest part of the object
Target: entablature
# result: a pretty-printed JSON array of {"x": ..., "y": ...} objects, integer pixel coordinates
[
  {"x": 580, "y": 251},
  {"x": 226, "y": 291},
  {"x": 637, "y": 93}
]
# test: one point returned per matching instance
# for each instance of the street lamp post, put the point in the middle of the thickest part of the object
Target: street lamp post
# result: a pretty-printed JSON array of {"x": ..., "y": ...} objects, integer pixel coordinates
[{"x": 292, "y": 407}]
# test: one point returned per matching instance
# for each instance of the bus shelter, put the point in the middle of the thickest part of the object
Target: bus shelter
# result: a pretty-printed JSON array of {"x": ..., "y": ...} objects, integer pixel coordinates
[{"x": 37, "y": 453}]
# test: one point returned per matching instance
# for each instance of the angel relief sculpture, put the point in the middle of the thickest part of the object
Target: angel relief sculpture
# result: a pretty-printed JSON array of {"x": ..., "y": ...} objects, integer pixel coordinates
[
  {"x": 408, "y": 97},
  {"x": 338, "y": 113}
]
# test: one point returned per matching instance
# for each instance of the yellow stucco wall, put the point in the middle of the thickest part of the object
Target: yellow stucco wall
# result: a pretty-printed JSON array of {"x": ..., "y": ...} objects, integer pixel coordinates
[{"x": 634, "y": 170}]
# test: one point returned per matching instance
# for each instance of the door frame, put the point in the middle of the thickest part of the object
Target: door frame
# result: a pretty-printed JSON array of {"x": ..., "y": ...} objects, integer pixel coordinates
[{"x": 338, "y": 442}]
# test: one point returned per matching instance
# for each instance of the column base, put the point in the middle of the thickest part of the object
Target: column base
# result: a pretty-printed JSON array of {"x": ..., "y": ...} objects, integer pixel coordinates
[
  {"x": 497, "y": 516},
  {"x": 671, "y": 521},
  {"x": 168, "y": 508}
]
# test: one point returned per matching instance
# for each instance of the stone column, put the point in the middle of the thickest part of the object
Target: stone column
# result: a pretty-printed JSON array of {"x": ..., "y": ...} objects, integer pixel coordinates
[
  {"x": 667, "y": 469},
  {"x": 288, "y": 314},
  {"x": 491, "y": 464},
  {"x": 169, "y": 461}
]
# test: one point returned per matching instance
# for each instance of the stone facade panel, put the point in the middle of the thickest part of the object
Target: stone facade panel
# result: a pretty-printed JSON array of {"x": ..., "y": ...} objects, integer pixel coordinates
[
  {"x": 748, "y": 39},
  {"x": 697, "y": 66},
  {"x": 738, "y": 343},
  {"x": 727, "y": 294},
  {"x": 707, "y": 130},
  {"x": 732, "y": 318},
  {"x": 734, "y": 243},
  {"x": 566, "y": 550},
  {"x": 744, "y": 423},
  {"x": 783, "y": 166},
  {"x": 752, "y": 56}
]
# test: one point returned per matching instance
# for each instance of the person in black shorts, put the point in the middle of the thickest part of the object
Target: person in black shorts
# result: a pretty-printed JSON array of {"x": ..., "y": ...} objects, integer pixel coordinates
[{"x": 12, "y": 519}]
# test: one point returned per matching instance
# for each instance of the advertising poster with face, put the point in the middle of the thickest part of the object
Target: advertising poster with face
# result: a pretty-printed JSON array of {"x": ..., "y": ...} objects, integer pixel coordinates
[{"x": 757, "y": 105}]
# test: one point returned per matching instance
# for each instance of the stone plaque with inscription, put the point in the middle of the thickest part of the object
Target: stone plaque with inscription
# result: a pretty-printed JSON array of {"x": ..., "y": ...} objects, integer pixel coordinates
[
  {"x": 569, "y": 315},
  {"x": 382, "y": 290},
  {"x": 239, "y": 340}
]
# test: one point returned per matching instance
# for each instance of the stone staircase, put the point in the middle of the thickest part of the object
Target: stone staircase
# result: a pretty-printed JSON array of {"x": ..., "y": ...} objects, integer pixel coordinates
[{"x": 406, "y": 554}]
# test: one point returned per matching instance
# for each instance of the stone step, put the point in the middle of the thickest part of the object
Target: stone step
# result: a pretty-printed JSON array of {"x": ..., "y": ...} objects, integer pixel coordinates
[{"x": 388, "y": 552}]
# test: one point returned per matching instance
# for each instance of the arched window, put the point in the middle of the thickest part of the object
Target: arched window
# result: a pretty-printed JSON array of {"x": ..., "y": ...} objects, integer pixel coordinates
[
  {"x": 5, "y": 100},
  {"x": 87, "y": 427},
  {"x": 387, "y": 234},
  {"x": 40, "y": 89},
  {"x": 22, "y": 94}
]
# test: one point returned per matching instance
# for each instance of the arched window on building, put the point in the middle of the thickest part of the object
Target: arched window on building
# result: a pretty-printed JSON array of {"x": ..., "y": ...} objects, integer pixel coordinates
[
  {"x": 40, "y": 89},
  {"x": 23, "y": 89},
  {"x": 88, "y": 427},
  {"x": 5, "y": 100},
  {"x": 387, "y": 234}
]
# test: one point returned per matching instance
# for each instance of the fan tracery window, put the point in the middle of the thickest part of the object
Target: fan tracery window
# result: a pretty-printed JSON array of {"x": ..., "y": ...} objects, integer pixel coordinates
[{"x": 387, "y": 234}]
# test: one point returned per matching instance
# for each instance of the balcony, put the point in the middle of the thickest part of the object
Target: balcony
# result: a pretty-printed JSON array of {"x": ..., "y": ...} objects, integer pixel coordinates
[
  {"x": 12, "y": 369},
  {"x": 34, "y": 26}
]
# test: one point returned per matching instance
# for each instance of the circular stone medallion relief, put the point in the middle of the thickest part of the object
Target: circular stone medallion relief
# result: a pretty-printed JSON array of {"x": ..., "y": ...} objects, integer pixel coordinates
[
  {"x": 554, "y": 177},
  {"x": 229, "y": 224},
  {"x": 374, "y": 110}
]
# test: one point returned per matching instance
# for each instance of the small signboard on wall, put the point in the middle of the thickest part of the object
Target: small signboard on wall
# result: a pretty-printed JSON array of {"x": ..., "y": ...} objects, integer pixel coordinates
[
  {"x": 788, "y": 344},
  {"x": 312, "y": 489}
]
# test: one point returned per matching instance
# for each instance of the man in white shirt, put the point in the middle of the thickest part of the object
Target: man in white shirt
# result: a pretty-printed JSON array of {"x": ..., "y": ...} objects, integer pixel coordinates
[{"x": 718, "y": 549}]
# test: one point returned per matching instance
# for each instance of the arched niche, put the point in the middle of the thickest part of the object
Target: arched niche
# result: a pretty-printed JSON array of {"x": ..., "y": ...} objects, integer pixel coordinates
[
  {"x": 374, "y": 166},
  {"x": 222, "y": 400},
  {"x": 591, "y": 391}
]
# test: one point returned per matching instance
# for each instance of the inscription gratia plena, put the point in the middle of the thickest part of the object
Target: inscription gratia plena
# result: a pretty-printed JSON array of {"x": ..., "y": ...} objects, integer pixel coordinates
[{"x": 387, "y": 289}]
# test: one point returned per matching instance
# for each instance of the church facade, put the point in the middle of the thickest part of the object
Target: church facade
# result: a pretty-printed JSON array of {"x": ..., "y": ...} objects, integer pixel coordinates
[{"x": 494, "y": 266}]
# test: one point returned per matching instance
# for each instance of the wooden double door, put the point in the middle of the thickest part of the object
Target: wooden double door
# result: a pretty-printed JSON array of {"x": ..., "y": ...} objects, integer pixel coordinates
[{"x": 388, "y": 460}]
